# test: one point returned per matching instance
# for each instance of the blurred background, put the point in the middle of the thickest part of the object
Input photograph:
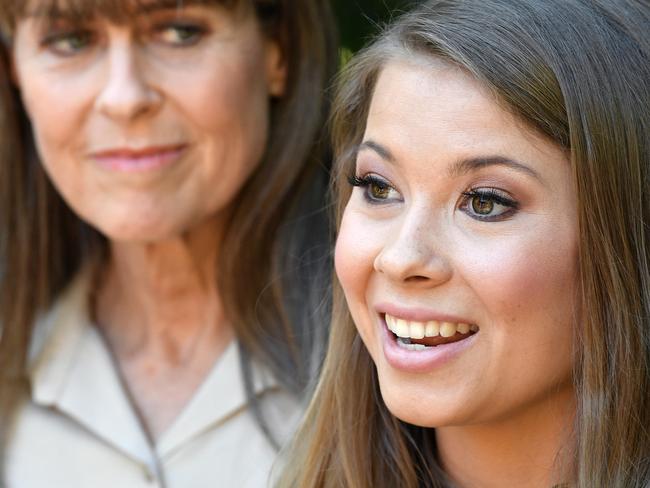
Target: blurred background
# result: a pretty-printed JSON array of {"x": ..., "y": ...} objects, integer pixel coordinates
[{"x": 359, "y": 20}]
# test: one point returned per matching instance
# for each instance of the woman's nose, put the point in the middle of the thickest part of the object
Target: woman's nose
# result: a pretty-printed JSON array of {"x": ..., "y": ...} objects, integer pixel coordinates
[
  {"x": 415, "y": 254},
  {"x": 126, "y": 93}
]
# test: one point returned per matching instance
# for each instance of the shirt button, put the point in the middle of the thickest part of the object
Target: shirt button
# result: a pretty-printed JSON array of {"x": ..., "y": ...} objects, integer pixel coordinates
[{"x": 151, "y": 478}]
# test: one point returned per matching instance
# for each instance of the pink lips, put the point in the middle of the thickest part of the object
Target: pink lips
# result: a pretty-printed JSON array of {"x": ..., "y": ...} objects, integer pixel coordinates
[
  {"x": 421, "y": 361},
  {"x": 139, "y": 160}
]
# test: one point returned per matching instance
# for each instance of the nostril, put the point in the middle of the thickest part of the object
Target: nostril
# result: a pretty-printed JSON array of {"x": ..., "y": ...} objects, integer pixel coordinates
[{"x": 416, "y": 279}]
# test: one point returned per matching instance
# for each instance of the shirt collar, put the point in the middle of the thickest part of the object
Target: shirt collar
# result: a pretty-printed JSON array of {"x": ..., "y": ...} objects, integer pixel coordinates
[
  {"x": 220, "y": 397},
  {"x": 56, "y": 339},
  {"x": 72, "y": 371}
]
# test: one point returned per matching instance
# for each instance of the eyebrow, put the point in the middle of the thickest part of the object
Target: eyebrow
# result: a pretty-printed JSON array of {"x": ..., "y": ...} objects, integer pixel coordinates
[
  {"x": 382, "y": 151},
  {"x": 462, "y": 166},
  {"x": 469, "y": 165}
]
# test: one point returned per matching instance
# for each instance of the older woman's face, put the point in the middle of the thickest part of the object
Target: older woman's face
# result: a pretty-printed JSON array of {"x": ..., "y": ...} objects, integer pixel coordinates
[
  {"x": 150, "y": 127},
  {"x": 457, "y": 252}
]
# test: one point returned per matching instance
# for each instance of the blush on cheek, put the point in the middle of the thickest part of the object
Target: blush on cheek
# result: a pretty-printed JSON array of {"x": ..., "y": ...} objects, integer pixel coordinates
[
  {"x": 357, "y": 246},
  {"x": 344, "y": 262},
  {"x": 525, "y": 279},
  {"x": 354, "y": 255}
]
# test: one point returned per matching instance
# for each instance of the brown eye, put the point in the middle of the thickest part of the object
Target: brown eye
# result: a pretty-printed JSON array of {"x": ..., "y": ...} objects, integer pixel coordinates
[
  {"x": 379, "y": 191},
  {"x": 488, "y": 204},
  {"x": 376, "y": 189},
  {"x": 482, "y": 205}
]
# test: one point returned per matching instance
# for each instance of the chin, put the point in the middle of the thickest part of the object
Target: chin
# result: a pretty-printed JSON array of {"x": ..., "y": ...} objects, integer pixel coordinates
[
  {"x": 413, "y": 414},
  {"x": 423, "y": 409},
  {"x": 138, "y": 222}
]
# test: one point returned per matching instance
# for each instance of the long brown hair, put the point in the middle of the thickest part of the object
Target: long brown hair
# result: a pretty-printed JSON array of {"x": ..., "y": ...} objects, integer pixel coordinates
[
  {"x": 277, "y": 240},
  {"x": 577, "y": 71}
]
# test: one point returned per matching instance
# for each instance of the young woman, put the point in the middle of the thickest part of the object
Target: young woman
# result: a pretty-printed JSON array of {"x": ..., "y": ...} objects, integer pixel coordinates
[
  {"x": 162, "y": 237},
  {"x": 493, "y": 190}
]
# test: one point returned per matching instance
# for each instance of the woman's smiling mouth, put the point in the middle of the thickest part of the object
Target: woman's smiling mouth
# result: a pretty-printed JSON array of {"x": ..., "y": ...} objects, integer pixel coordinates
[{"x": 422, "y": 343}]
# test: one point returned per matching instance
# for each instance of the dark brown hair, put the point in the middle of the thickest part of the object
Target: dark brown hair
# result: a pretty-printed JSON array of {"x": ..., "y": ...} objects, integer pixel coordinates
[
  {"x": 578, "y": 72},
  {"x": 274, "y": 260}
]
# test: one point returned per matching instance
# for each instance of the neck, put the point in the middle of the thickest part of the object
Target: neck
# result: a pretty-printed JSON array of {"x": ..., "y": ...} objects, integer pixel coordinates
[
  {"x": 160, "y": 299},
  {"x": 530, "y": 449}
]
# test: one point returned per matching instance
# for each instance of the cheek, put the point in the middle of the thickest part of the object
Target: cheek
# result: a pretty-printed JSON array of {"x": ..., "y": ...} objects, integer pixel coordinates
[
  {"x": 58, "y": 129},
  {"x": 230, "y": 111},
  {"x": 350, "y": 260},
  {"x": 229, "y": 91},
  {"x": 516, "y": 274},
  {"x": 356, "y": 248},
  {"x": 526, "y": 286},
  {"x": 56, "y": 125}
]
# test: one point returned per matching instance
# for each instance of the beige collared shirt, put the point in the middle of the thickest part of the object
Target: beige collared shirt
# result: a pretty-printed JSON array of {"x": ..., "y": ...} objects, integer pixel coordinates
[{"x": 79, "y": 428}]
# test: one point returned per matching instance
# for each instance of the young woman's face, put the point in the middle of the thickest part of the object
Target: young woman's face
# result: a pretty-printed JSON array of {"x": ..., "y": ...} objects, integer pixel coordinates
[
  {"x": 150, "y": 127},
  {"x": 461, "y": 237}
]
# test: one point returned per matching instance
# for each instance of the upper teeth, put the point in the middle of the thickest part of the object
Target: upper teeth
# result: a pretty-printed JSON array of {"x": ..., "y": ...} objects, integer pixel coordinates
[{"x": 432, "y": 328}]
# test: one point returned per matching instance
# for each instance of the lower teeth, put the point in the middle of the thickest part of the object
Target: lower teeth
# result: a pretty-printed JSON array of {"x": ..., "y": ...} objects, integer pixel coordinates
[{"x": 405, "y": 343}]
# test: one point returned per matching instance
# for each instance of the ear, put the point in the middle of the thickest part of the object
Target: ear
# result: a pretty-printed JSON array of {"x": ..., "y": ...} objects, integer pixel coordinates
[{"x": 276, "y": 69}]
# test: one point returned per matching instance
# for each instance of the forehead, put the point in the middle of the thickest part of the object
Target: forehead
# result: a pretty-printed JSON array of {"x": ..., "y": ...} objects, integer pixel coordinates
[
  {"x": 423, "y": 95},
  {"x": 436, "y": 112},
  {"x": 78, "y": 10}
]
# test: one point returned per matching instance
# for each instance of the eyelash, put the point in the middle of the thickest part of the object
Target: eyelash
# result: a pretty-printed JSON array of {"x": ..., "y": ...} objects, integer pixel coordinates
[
  {"x": 493, "y": 195},
  {"x": 195, "y": 30},
  {"x": 367, "y": 182},
  {"x": 485, "y": 195}
]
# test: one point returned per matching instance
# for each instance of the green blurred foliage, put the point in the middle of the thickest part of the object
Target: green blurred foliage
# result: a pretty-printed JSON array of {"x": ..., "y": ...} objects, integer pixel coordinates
[{"x": 360, "y": 20}]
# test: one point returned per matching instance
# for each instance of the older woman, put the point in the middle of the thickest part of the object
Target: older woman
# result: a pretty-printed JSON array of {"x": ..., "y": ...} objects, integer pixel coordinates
[
  {"x": 491, "y": 325},
  {"x": 162, "y": 228}
]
